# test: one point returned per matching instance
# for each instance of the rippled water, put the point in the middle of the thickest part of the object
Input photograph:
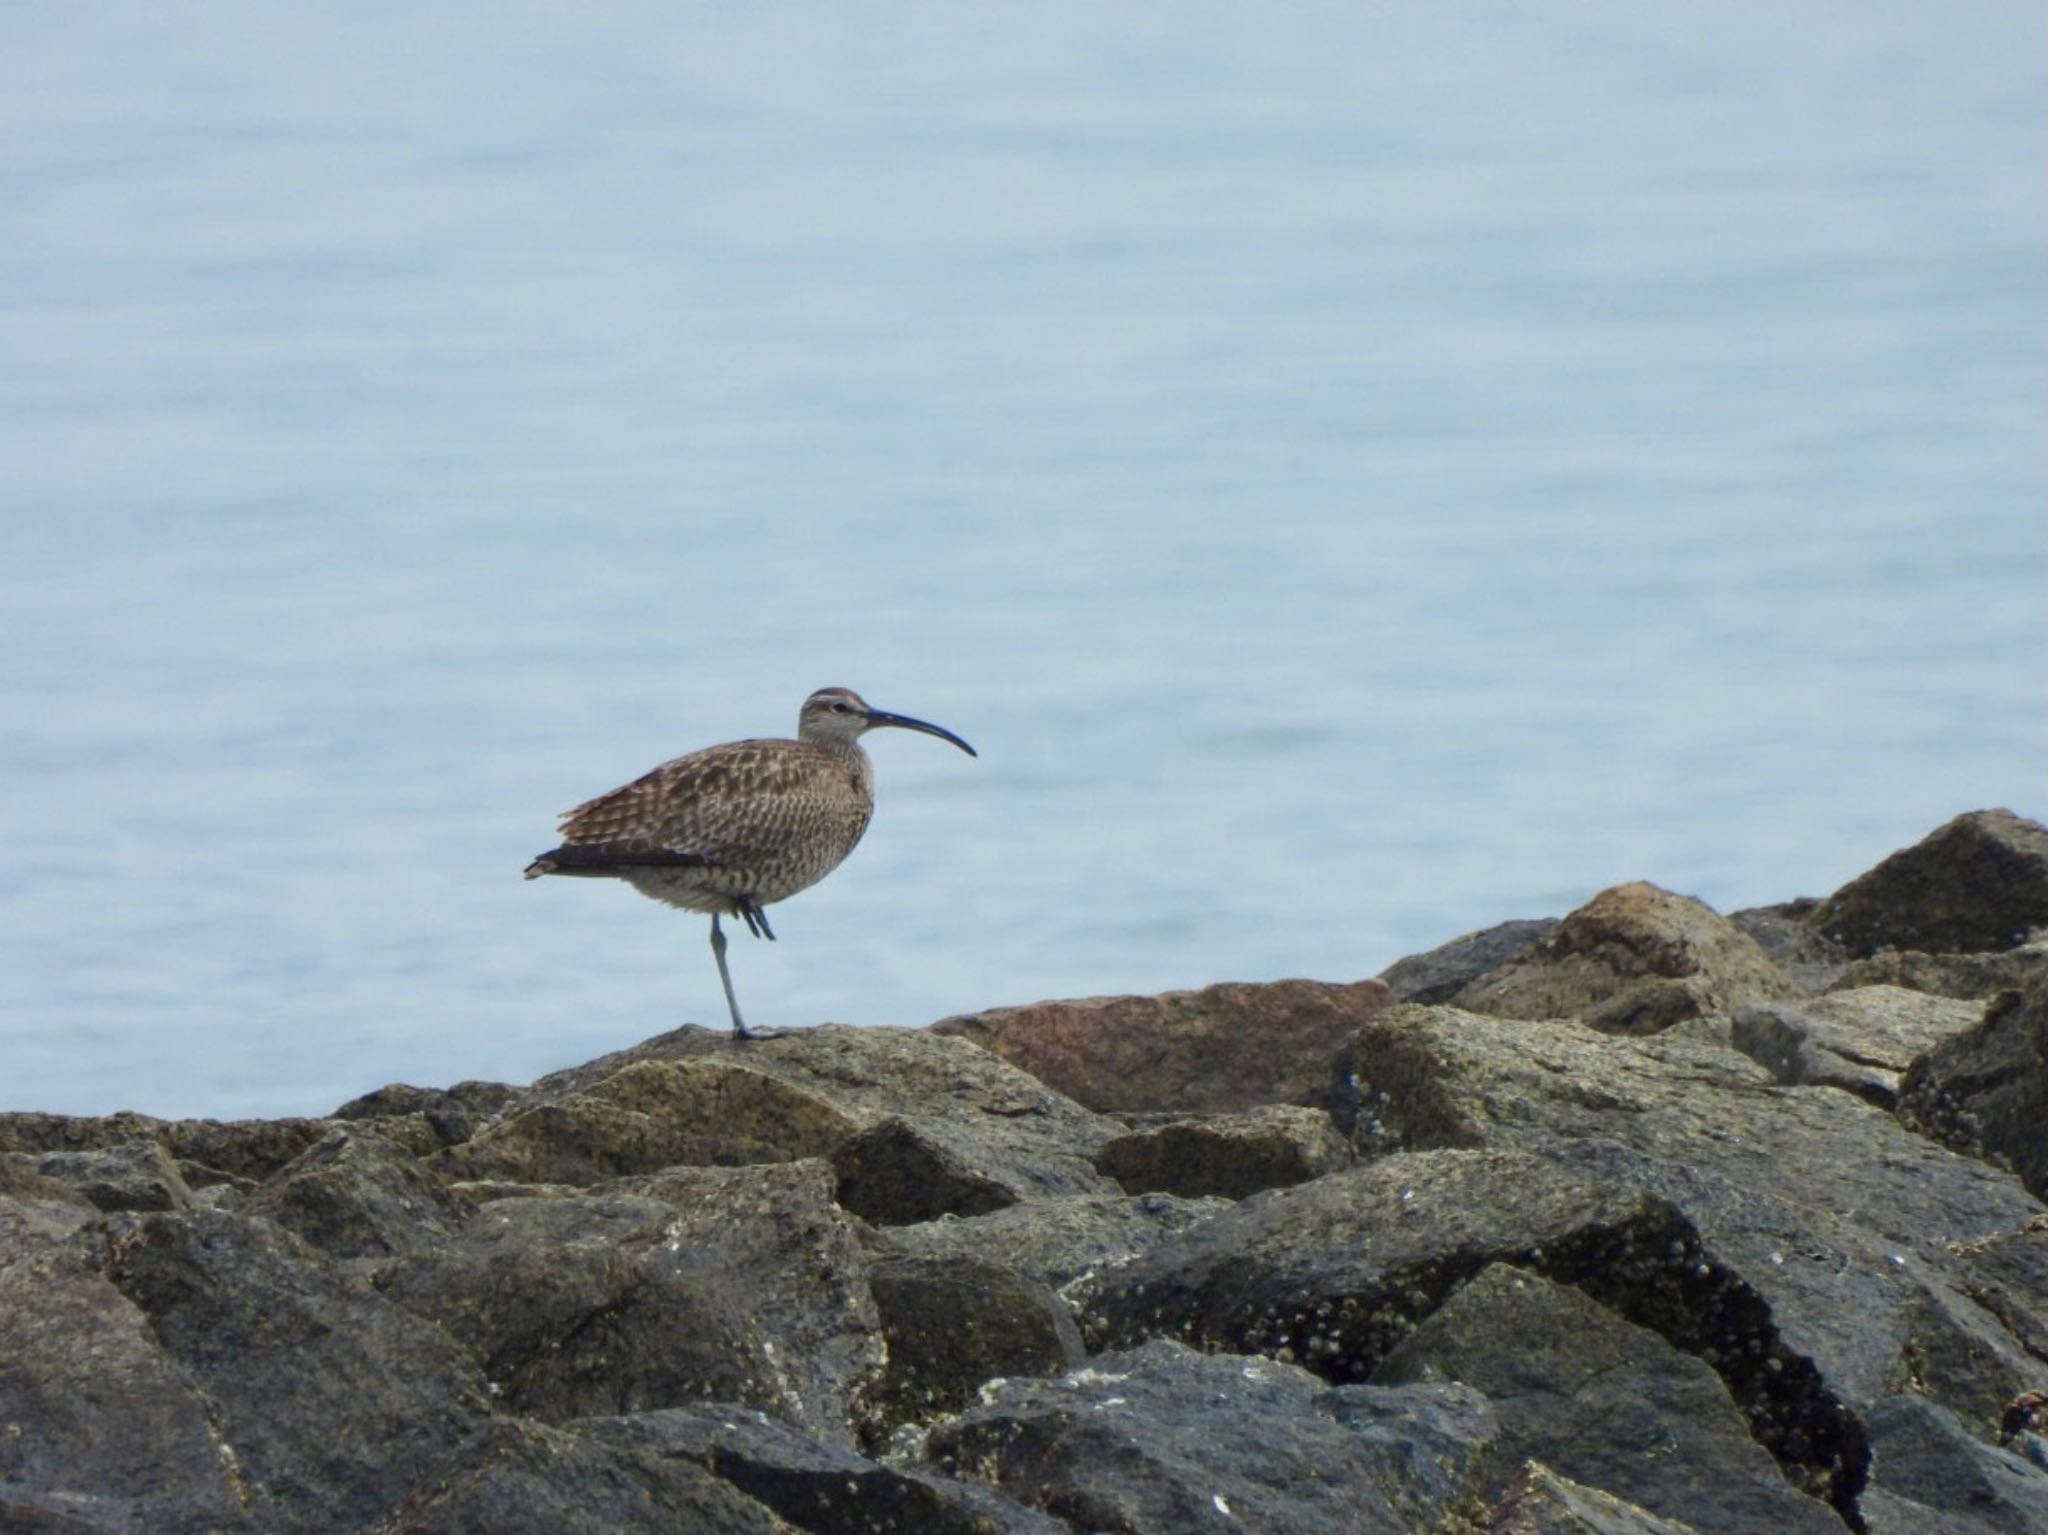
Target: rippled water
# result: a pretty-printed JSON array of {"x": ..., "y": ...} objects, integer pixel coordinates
[{"x": 1356, "y": 477}]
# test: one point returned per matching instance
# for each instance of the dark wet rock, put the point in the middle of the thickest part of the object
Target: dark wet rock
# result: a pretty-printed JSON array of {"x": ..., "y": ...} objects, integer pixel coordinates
[
  {"x": 597, "y": 1305},
  {"x": 134, "y": 1175},
  {"x": 952, "y": 1324},
  {"x": 520, "y": 1478},
  {"x": 1976, "y": 977},
  {"x": 355, "y": 1194},
  {"x": 1227, "y": 1155},
  {"x": 1926, "y": 1466},
  {"x": 1540, "y": 1502},
  {"x": 1859, "y": 1281},
  {"x": 97, "y": 1425},
  {"x": 774, "y": 1237},
  {"x": 1166, "y": 1441},
  {"x": 1979, "y": 882},
  {"x": 1230, "y": 1046},
  {"x": 1333, "y": 1274},
  {"x": 1633, "y": 960},
  {"x": 1439, "y": 974},
  {"x": 899, "y": 1172},
  {"x": 1605, "y": 1402},
  {"x": 1984, "y": 1091},
  {"x": 1861, "y": 1041},
  {"x": 328, "y": 1402},
  {"x": 1056, "y": 1241},
  {"x": 817, "y": 1488}
]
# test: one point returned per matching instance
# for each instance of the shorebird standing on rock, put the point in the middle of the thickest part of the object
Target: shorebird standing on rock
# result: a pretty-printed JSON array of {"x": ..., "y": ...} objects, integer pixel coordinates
[{"x": 735, "y": 828}]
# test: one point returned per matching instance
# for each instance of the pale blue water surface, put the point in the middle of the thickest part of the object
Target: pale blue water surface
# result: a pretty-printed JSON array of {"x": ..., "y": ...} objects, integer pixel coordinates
[{"x": 1357, "y": 473}]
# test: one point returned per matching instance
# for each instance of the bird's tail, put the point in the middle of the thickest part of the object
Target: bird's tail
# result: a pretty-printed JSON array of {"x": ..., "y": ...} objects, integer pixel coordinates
[{"x": 602, "y": 858}]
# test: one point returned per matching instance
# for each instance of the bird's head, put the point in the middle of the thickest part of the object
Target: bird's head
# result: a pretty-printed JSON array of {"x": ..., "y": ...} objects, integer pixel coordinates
[{"x": 842, "y": 715}]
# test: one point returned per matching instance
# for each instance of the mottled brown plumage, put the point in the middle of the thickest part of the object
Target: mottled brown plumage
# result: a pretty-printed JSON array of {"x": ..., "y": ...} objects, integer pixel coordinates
[{"x": 734, "y": 828}]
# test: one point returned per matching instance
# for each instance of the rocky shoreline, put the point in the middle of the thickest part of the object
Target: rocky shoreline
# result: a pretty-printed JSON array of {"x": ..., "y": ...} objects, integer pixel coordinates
[{"x": 1645, "y": 1219}]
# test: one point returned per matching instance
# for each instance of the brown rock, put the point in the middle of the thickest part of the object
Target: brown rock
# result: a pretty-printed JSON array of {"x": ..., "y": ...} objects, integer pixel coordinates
[
  {"x": 652, "y": 1114},
  {"x": 1633, "y": 960},
  {"x": 1231, "y": 1155},
  {"x": 1980, "y": 882},
  {"x": 1229, "y": 1046}
]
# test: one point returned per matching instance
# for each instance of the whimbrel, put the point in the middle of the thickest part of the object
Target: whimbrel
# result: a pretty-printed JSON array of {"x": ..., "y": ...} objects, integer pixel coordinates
[{"x": 732, "y": 829}]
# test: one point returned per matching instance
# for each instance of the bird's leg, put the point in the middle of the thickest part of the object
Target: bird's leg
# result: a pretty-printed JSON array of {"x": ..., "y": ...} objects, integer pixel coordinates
[
  {"x": 739, "y": 1027},
  {"x": 756, "y": 918}
]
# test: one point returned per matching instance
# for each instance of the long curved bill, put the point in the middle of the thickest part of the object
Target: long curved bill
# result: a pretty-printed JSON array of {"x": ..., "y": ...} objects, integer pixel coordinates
[{"x": 905, "y": 722}]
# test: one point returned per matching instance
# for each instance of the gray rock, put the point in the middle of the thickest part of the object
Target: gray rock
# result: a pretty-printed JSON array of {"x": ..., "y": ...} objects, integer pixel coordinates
[
  {"x": 134, "y": 1175},
  {"x": 816, "y": 1488},
  {"x": 1812, "y": 960},
  {"x": 99, "y": 1429},
  {"x": 1984, "y": 1091},
  {"x": 1979, "y": 882},
  {"x": 1226, "y": 1155},
  {"x": 774, "y": 1237},
  {"x": 1860, "y": 1040},
  {"x": 353, "y": 1194},
  {"x": 1974, "y": 977},
  {"x": 1165, "y": 1441},
  {"x": 1439, "y": 974},
  {"x": 452, "y": 1113},
  {"x": 1605, "y": 1402},
  {"x": 519, "y": 1478},
  {"x": 1054, "y": 1240},
  {"x": 1633, "y": 960},
  {"x": 328, "y": 1403},
  {"x": 1921, "y": 1456},
  {"x": 952, "y": 1324},
  {"x": 1840, "y": 1227},
  {"x": 1332, "y": 1274},
  {"x": 599, "y": 1305},
  {"x": 1540, "y": 1502}
]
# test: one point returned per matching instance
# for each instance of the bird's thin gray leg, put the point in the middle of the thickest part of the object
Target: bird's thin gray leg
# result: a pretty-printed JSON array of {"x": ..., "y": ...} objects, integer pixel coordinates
[{"x": 739, "y": 1027}]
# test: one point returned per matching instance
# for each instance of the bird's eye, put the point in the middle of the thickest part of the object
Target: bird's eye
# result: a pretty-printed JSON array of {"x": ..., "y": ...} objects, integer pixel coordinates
[{"x": 842, "y": 708}]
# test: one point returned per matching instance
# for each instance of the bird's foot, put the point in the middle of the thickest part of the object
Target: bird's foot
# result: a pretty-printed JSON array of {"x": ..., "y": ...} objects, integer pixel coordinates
[
  {"x": 750, "y": 912},
  {"x": 743, "y": 1034}
]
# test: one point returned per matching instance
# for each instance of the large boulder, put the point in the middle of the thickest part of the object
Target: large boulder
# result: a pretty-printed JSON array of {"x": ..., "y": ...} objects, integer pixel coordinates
[
  {"x": 1979, "y": 882},
  {"x": 1850, "y": 1230},
  {"x": 1984, "y": 1090},
  {"x": 1633, "y": 960},
  {"x": 1860, "y": 1040},
  {"x": 817, "y": 1488},
  {"x": 1605, "y": 1402},
  {"x": 1166, "y": 1441},
  {"x": 1440, "y": 973},
  {"x": 897, "y": 1109},
  {"x": 740, "y": 1285},
  {"x": 324, "y": 1402},
  {"x": 1054, "y": 1240},
  {"x": 1229, "y": 1046}
]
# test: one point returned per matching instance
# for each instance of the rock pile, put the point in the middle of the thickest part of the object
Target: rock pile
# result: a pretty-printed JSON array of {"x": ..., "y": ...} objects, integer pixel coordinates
[{"x": 1639, "y": 1222}]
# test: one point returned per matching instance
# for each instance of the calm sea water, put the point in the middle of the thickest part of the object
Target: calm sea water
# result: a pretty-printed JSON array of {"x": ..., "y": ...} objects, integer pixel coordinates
[{"x": 1356, "y": 473}]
